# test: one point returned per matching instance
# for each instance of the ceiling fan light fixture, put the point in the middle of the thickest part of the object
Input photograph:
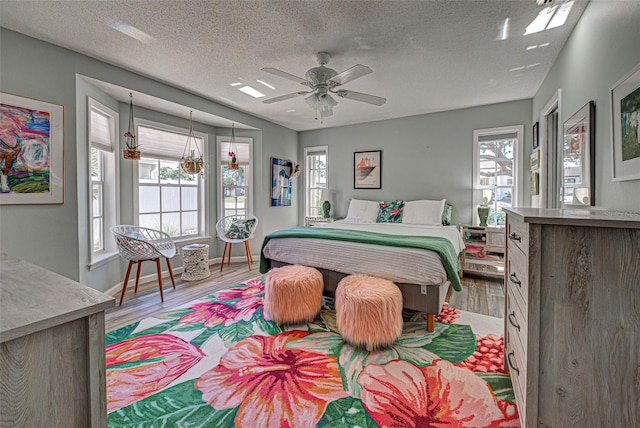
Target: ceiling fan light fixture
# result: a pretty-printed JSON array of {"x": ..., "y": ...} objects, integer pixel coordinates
[
  {"x": 323, "y": 81},
  {"x": 322, "y": 104}
]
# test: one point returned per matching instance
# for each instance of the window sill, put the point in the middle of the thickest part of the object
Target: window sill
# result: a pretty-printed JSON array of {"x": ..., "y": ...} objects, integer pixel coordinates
[
  {"x": 193, "y": 240},
  {"x": 102, "y": 259}
]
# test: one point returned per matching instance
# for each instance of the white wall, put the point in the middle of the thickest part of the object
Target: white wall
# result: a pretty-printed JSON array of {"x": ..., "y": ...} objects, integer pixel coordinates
[
  {"x": 604, "y": 46},
  {"x": 423, "y": 157},
  {"x": 54, "y": 236}
]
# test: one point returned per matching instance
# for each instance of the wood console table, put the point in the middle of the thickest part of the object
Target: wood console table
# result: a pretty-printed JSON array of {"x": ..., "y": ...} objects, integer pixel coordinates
[{"x": 52, "y": 349}]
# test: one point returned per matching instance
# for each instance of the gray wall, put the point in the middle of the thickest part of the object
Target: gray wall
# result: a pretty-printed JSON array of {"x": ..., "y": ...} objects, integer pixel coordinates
[
  {"x": 603, "y": 47},
  {"x": 423, "y": 157},
  {"x": 54, "y": 236}
]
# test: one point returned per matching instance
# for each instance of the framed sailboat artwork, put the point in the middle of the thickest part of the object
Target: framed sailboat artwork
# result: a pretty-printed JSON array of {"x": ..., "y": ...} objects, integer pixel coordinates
[{"x": 367, "y": 170}]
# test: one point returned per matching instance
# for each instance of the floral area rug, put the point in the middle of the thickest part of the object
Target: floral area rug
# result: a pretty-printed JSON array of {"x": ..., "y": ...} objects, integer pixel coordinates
[{"x": 217, "y": 362}]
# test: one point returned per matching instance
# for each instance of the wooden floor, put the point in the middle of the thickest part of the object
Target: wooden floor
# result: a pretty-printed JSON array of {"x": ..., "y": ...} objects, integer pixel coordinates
[{"x": 481, "y": 296}]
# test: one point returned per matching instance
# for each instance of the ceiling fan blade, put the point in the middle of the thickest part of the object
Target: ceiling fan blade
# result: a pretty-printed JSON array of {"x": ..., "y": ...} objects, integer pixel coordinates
[
  {"x": 359, "y": 96},
  {"x": 286, "y": 75},
  {"x": 351, "y": 74},
  {"x": 284, "y": 97}
]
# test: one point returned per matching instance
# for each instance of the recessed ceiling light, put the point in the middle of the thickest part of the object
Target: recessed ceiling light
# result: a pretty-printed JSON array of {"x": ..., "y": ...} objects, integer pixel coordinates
[
  {"x": 533, "y": 65},
  {"x": 267, "y": 85},
  {"x": 131, "y": 31},
  {"x": 561, "y": 15},
  {"x": 236, "y": 83},
  {"x": 544, "y": 45},
  {"x": 251, "y": 91},
  {"x": 550, "y": 17},
  {"x": 516, "y": 68},
  {"x": 541, "y": 21},
  {"x": 530, "y": 48}
]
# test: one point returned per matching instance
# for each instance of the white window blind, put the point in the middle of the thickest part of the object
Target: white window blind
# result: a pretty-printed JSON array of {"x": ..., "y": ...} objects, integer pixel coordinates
[
  {"x": 162, "y": 143},
  {"x": 102, "y": 130},
  {"x": 242, "y": 148}
]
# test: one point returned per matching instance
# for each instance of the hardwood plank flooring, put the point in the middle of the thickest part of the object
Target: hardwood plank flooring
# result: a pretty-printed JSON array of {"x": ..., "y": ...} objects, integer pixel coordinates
[
  {"x": 479, "y": 295},
  {"x": 146, "y": 301}
]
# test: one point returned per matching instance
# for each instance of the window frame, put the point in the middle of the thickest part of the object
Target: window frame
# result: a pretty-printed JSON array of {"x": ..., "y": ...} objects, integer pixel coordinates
[
  {"x": 307, "y": 175},
  {"x": 110, "y": 184},
  {"x": 516, "y": 187},
  {"x": 202, "y": 185},
  {"x": 222, "y": 161}
]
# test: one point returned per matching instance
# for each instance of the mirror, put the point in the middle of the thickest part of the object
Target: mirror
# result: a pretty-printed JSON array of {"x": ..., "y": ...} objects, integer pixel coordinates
[{"x": 578, "y": 174}]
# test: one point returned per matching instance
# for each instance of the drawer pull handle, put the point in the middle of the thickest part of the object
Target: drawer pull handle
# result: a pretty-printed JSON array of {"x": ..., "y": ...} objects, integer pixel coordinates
[
  {"x": 515, "y": 237},
  {"x": 511, "y": 365},
  {"x": 513, "y": 278},
  {"x": 512, "y": 320}
]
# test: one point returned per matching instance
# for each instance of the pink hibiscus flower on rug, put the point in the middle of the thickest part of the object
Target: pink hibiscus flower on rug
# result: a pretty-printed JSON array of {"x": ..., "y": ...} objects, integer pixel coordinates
[
  {"x": 139, "y": 367},
  {"x": 488, "y": 356},
  {"x": 254, "y": 288},
  {"x": 273, "y": 386},
  {"x": 211, "y": 314},
  {"x": 400, "y": 394}
]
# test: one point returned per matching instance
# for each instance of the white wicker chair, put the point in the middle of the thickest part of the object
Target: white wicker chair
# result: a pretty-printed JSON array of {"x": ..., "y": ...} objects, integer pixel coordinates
[
  {"x": 139, "y": 244},
  {"x": 227, "y": 230}
]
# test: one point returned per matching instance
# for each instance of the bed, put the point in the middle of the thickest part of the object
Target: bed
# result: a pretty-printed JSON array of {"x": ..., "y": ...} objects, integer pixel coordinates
[{"x": 420, "y": 254}]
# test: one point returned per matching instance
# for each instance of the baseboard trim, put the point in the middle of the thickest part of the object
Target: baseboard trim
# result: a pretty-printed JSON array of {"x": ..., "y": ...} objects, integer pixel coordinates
[{"x": 117, "y": 288}]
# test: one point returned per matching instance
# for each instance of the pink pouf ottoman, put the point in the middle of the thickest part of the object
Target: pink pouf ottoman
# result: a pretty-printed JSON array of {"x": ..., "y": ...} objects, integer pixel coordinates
[
  {"x": 293, "y": 294},
  {"x": 368, "y": 311}
]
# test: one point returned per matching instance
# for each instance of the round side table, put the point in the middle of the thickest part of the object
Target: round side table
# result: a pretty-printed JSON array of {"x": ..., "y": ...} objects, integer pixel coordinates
[{"x": 195, "y": 258}]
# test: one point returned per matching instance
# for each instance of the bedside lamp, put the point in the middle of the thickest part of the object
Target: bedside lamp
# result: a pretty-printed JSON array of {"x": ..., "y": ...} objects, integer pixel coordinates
[{"x": 326, "y": 205}]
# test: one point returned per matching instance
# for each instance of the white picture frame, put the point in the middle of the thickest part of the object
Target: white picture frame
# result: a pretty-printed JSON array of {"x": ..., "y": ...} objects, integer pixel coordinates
[{"x": 32, "y": 166}]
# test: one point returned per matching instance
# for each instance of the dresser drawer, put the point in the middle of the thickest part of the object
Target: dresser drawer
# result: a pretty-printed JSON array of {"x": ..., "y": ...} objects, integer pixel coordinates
[
  {"x": 517, "y": 234},
  {"x": 517, "y": 373},
  {"x": 517, "y": 321},
  {"x": 517, "y": 274}
]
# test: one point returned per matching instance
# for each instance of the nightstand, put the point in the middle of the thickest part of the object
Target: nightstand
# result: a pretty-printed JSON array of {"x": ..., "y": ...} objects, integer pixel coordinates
[
  {"x": 484, "y": 250},
  {"x": 314, "y": 221}
]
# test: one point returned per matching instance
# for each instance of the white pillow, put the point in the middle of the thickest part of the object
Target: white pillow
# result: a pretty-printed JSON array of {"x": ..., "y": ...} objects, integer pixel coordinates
[
  {"x": 423, "y": 212},
  {"x": 361, "y": 211}
]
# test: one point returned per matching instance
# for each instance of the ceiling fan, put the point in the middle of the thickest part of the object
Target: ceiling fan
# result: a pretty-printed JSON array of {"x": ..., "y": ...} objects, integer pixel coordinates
[{"x": 324, "y": 81}]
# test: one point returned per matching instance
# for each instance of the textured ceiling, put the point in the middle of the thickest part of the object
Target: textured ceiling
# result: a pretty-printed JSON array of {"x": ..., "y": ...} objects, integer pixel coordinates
[{"x": 426, "y": 56}]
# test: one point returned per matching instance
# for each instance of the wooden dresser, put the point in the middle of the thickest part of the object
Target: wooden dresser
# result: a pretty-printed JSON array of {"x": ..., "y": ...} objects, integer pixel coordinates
[
  {"x": 572, "y": 320},
  {"x": 52, "y": 349}
]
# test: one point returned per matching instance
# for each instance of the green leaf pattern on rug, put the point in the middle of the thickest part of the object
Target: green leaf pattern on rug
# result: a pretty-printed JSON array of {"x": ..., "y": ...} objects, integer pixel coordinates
[
  {"x": 176, "y": 406},
  {"x": 346, "y": 412},
  {"x": 121, "y": 333},
  {"x": 219, "y": 321}
]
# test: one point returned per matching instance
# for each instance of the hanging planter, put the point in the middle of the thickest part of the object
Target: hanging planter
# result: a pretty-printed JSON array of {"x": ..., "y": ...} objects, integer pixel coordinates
[
  {"x": 131, "y": 151},
  {"x": 192, "y": 162},
  {"x": 233, "y": 150}
]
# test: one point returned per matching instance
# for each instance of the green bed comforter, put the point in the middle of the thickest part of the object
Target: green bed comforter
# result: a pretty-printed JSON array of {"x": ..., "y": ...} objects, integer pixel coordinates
[{"x": 442, "y": 246}]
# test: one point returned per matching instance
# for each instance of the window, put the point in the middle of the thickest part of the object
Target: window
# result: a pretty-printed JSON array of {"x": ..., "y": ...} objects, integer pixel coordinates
[
  {"x": 495, "y": 172},
  {"x": 168, "y": 199},
  {"x": 235, "y": 193},
  {"x": 317, "y": 178},
  {"x": 103, "y": 205}
]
